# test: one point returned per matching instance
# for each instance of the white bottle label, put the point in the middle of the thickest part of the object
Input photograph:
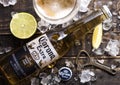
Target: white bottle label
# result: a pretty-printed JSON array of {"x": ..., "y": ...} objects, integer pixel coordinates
[{"x": 42, "y": 51}]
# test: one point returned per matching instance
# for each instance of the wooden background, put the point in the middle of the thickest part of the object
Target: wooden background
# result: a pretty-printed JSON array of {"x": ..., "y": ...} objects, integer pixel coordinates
[{"x": 103, "y": 78}]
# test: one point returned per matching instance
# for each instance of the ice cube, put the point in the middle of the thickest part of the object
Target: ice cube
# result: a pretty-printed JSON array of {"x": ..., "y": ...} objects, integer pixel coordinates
[
  {"x": 113, "y": 47},
  {"x": 69, "y": 63},
  {"x": 44, "y": 81},
  {"x": 101, "y": 61},
  {"x": 98, "y": 51},
  {"x": 6, "y": 3},
  {"x": 114, "y": 13},
  {"x": 77, "y": 16},
  {"x": 57, "y": 79},
  {"x": 43, "y": 23},
  {"x": 84, "y": 5},
  {"x": 43, "y": 29},
  {"x": 13, "y": 13},
  {"x": 86, "y": 76},
  {"x": 67, "y": 23},
  {"x": 53, "y": 27},
  {"x": 51, "y": 79},
  {"x": 12, "y": 2},
  {"x": 113, "y": 66},
  {"x": 43, "y": 26},
  {"x": 75, "y": 78},
  {"x": 62, "y": 35}
]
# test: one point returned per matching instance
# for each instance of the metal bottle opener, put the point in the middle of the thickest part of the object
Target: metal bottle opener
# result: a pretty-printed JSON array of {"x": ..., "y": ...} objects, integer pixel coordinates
[{"x": 93, "y": 62}]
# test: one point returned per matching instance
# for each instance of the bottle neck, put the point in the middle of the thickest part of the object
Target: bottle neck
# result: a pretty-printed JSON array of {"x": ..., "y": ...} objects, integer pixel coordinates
[{"x": 88, "y": 22}]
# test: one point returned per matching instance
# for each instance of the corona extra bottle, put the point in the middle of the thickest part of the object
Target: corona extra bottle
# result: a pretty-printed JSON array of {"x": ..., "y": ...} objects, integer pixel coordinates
[{"x": 47, "y": 48}]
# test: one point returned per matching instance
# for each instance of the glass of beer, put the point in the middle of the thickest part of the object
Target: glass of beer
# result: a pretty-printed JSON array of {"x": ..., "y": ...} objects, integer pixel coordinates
[{"x": 56, "y": 11}]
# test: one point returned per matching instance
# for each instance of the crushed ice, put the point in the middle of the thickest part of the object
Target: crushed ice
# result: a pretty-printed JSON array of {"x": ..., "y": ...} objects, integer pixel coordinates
[
  {"x": 51, "y": 79},
  {"x": 6, "y": 3},
  {"x": 84, "y": 5},
  {"x": 113, "y": 47},
  {"x": 43, "y": 26},
  {"x": 87, "y": 76},
  {"x": 69, "y": 63}
]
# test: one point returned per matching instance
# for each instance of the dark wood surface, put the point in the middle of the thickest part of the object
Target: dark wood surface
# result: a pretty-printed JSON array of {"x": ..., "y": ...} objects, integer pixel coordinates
[{"x": 103, "y": 78}]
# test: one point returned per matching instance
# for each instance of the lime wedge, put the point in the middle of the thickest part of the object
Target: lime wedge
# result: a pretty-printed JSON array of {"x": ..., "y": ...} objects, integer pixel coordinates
[
  {"x": 23, "y": 25},
  {"x": 97, "y": 36}
]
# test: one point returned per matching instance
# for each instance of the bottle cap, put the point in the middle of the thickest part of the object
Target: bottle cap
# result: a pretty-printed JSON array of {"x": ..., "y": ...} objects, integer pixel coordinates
[
  {"x": 107, "y": 11},
  {"x": 65, "y": 73}
]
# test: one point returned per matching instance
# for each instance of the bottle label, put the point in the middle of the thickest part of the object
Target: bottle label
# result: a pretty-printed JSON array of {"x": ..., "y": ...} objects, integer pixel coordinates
[
  {"x": 42, "y": 51},
  {"x": 22, "y": 63}
]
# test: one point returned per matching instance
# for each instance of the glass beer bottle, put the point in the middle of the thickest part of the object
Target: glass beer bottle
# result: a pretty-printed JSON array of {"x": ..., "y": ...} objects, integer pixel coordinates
[{"x": 47, "y": 48}]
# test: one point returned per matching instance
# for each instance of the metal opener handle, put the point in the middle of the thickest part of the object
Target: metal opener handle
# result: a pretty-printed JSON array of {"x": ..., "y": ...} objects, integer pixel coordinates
[
  {"x": 101, "y": 66},
  {"x": 93, "y": 62}
]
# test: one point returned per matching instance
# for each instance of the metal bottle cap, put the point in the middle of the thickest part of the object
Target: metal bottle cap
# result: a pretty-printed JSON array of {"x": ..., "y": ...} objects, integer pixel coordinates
[
  {"x": 107, "y": 11},
  {"x": 65, "y": 73}
]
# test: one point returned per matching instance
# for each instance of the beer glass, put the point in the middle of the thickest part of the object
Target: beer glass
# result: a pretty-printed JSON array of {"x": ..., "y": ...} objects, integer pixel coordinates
[{"x": 56, "y": 11}]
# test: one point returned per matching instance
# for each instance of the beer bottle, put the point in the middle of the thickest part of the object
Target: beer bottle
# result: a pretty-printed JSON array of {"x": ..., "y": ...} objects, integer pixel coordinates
[{"x": 47, "y": 48}]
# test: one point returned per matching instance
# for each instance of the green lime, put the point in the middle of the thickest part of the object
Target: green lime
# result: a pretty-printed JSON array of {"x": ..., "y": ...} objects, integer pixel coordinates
[{"x": 23, "y": 25}]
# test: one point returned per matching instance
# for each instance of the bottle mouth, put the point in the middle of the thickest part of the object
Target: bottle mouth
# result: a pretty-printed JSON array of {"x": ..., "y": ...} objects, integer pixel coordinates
[
  {"x": 55, "y": 14},
  {"x": 107, "y": 11}
]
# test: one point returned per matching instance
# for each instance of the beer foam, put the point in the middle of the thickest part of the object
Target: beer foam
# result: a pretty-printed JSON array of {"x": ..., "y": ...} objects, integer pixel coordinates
[{"x": 54, "y": 10}]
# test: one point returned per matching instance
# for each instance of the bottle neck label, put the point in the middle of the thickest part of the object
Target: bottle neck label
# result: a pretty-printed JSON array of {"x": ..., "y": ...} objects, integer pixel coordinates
[{"x": 42, "y": 51}]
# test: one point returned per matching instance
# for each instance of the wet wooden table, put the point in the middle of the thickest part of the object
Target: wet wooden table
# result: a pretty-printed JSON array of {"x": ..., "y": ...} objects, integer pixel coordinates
[{"x": 103, "y": 78}]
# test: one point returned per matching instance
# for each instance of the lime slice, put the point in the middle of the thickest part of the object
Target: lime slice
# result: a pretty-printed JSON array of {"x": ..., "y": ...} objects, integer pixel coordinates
[
  {"x": 97, "y": 36},
  {"x": 23, "y": 25}
]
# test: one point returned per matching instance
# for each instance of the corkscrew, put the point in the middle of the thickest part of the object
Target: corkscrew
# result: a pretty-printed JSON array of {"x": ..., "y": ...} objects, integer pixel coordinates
[{"x": 93, "y": 62}]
